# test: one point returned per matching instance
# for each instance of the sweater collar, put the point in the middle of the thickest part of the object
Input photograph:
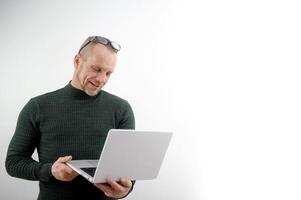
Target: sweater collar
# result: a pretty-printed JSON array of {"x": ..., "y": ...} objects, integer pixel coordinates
[{"x": 77, "y": 93}]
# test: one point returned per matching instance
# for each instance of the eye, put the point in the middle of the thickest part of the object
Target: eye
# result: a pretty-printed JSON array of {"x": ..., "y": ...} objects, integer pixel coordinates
[{"x": 96, "y": 69}]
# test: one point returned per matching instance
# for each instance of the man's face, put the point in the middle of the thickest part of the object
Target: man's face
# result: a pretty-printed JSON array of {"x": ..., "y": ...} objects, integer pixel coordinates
[{"x": 93, "y": 72}]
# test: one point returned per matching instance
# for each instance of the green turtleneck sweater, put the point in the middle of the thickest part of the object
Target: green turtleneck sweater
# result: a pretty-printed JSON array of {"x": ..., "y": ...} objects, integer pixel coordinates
[{"x": 64, "y": 122}]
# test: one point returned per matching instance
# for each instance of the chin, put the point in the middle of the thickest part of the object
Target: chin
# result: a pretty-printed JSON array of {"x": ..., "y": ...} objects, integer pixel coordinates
[{"x": 92, "y": 93}]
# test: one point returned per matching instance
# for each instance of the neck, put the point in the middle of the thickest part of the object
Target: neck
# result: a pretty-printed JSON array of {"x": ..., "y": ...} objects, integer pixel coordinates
[{"x": 75, "y": 83}]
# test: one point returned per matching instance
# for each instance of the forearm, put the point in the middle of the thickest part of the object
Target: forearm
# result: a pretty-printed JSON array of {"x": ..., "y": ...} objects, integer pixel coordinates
[{"x": 27, "y": 168}]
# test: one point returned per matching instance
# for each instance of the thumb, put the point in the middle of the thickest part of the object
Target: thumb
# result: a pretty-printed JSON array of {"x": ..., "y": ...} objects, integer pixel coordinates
[{"x": 64, "y": 159}]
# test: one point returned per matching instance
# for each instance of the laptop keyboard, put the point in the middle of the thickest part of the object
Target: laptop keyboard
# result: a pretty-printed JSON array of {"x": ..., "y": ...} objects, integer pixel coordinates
[{"x": 89, "y": 170}]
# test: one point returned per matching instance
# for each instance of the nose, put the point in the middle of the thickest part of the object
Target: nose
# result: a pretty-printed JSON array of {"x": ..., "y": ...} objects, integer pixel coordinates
[{"x": 101, "y": 77}]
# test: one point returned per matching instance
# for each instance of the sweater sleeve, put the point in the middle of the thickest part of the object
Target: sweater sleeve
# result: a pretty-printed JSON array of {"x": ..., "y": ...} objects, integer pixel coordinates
[{"x": 19, "y": 162}]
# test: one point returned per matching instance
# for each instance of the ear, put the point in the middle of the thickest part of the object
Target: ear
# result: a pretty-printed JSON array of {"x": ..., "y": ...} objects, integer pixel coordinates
[{"x": 76, "y": 61}]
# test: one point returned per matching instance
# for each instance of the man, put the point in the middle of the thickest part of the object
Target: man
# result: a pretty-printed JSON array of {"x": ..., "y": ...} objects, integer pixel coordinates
[{"x": 72, "y": 122}]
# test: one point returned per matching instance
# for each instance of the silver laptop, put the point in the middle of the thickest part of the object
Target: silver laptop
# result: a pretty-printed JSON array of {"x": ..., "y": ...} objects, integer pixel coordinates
[{"x": 126, "y": 153}]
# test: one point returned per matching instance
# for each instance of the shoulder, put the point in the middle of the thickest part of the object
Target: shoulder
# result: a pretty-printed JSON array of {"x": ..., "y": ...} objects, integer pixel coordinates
[
  {"x": 35, "y": 104},
  {"x": 124, "y": 113},
  {"x": 48, "y": 97},
  {"x": 113, "y": 98},
  {"x": 116, "y": 102}
]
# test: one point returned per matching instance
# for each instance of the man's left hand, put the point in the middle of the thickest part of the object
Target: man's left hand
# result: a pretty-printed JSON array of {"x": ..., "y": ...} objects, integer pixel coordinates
[{"x": 115, "y": 189}]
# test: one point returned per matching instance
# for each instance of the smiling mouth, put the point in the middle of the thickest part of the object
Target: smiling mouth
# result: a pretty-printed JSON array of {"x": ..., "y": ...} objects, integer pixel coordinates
[{"x": 94, "y": 84}]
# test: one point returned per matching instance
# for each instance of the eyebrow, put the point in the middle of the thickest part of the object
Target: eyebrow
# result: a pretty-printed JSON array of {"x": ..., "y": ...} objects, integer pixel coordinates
[{"x": 100, "y": 67}]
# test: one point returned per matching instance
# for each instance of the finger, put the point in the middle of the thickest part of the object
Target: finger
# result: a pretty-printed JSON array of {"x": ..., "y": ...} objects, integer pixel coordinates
[
  {"x": 64, "y": 159},
  {"x": 74, "y": 173},
  {"x": 70, "y": 177},
  {"x": 114, "y": 184},
  {"x": 67, "y": 169},
  {"x": 103, "y": 187},
  {"x": 126, "y": 182}
]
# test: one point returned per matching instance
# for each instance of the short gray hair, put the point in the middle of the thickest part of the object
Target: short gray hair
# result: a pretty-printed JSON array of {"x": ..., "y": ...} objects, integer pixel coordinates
[{"x": 92, "y": 40}]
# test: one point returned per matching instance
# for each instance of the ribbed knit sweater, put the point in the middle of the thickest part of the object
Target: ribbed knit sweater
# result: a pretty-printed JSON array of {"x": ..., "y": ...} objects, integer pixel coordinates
[{"x": 64, "y": 122}]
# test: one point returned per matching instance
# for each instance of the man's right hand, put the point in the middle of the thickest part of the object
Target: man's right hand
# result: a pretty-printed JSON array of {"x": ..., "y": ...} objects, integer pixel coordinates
[{"x": 61, "y": 171}]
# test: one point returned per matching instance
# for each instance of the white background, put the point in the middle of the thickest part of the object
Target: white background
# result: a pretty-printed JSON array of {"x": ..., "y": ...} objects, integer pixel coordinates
[{"x": 223, "y": 75}]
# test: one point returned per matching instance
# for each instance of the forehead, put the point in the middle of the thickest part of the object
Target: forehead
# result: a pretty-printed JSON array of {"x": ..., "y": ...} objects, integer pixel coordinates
[{"x": 102, "y": 56}]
